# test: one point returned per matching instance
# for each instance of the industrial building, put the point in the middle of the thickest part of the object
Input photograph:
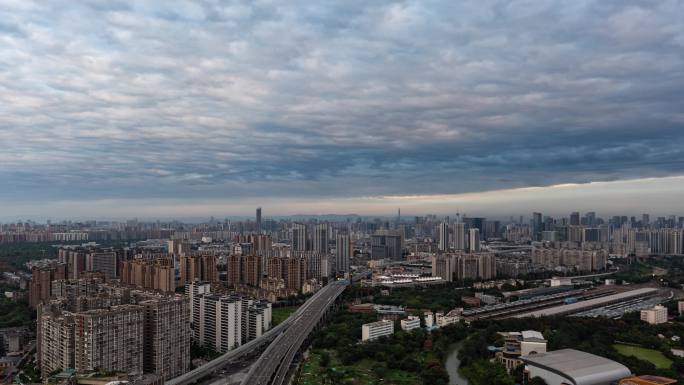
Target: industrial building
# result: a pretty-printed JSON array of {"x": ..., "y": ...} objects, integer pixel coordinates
[
  {"x": 590, "y": 303},
  {"x": 569, "y": 366}
]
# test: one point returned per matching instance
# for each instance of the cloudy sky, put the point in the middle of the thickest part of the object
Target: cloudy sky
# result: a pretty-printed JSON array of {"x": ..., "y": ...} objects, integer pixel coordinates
[{"x": 181, "y": 108}]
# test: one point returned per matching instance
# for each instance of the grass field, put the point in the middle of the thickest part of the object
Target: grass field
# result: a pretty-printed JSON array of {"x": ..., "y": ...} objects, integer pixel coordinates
[
  {"x": 653, "y": 356},
  {"x": 280, "y": 314},
  {"x": 363, "y": 372}
]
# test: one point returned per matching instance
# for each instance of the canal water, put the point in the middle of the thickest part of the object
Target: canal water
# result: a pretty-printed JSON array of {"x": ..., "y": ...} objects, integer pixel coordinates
[{"x": 452, "y": 363}]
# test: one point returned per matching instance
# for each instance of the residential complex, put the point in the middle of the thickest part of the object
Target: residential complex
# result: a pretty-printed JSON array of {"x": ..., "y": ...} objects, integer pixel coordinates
[{"x": 89, "y": 325}]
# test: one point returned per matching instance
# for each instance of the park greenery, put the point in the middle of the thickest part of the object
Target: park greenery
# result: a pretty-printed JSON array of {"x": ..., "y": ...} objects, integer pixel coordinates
[
  {"x": 203, "y": 352},
  {"x": 651, "y": 355},
  {"x": 416, "y": 357},
  {"x": 17, "y": 254},
  {"x": 29, "y": 372},
  {"x": 337, "y": 356},
  {"x": 280, "y": 314},
  {"x": 14, "y": 314}
]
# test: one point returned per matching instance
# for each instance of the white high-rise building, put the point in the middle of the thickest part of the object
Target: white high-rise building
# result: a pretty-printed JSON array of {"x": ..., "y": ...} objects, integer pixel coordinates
[
  {"x": 217, "y": 322},
  {"x": 223, "y": 323},
  {"x": 196, "y": 288}
]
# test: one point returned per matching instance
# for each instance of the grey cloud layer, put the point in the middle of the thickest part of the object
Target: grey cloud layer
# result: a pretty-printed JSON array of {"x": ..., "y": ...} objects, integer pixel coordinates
[{"x": 178, "y": 99}]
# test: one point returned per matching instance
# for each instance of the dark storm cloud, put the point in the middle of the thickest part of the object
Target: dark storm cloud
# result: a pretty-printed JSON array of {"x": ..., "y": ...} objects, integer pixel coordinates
[{"x": 181, "y": 99}]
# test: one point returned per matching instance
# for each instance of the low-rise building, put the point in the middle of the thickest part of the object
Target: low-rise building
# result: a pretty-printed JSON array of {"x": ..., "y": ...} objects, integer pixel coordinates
[
  {"x": 680, "y": 307},
  {"x": 655, "y": 316},
  {"x": 410, "y": 323},
  {"x": 647, "y": 380},
  {"x": 429, "y": 319},
  {"x": 366, "y": 308},
  {"x": 517, "y": 344},
  {"x": 13, "y": 339},
  {"x": 443, "y": 320},
  {"x": 471, "y": 301},
  {"x": 374, "y": 330},
  {"x": 389, "y": 312}
]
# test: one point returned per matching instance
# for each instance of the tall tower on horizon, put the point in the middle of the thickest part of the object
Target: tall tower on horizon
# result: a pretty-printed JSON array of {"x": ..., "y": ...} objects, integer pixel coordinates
[{"x": 258, "y": 219}]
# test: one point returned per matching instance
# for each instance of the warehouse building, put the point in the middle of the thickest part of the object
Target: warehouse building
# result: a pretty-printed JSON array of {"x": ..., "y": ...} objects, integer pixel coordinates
[{"x": 574, "y": 367}]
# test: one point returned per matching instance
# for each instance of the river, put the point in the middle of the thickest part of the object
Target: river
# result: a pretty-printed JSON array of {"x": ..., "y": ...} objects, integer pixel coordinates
[{"x": 452, "y": 363}]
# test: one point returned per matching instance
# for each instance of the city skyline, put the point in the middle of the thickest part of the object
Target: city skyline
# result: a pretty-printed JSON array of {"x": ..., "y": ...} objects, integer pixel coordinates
[
  {"x": 196, "y": 109},
  {"x": 604, "y": 198}
]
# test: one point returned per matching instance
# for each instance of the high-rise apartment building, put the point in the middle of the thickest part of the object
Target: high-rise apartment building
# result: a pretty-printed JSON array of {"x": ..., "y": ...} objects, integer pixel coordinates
[
  {"x": 320, "y": 239},
  {"x": 444, "y": 267},
  {"x": 256, "y": 318},
  {"x": 342, "y": 253},
  {"x": 474, "y": 240},
  {"x": 178, "y": 247},
  {"x": 234, "y": 270},
  {"x": 198, "y": 267},
  {"x": 459, "y": 236},
  {"x": 223, "y": 323},
  {"x": 105, "y": 262},
  {"x": 537, "y": 226},
  {"x": 151, "y": 274},
  {"x": 444, "y": 236},
  {"x": 291, "y": 270},
  {"x": 89, "y": 325},
  {"x": 299, "y": 237},
  {"x": 76, "y": 263},
  {"x": 166, "y": 336},
  {"x": 217, "y": 321},
  {"x": 296, "y": 273},
  {"x": 575, "y": 218},
  {"x": 252, "y": 270},
  {"x": 318, "y": 265},
  {"x": 244, "y": 270},
  {"x": 460, "y": 266},
  {"x": 386, "y": 246},
  {"x": 101, "y": 339},
  {"x": 41, "y": 279}
]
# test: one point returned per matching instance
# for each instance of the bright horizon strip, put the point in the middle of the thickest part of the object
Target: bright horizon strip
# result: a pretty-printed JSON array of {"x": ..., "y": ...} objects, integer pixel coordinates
[{"x": 657, "y": 196}]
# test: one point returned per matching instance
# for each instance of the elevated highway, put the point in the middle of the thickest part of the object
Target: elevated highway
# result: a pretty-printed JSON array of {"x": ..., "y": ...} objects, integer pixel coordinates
[
  {"x": 317, "y": 305},
  {"x": 273, "y": 367}
]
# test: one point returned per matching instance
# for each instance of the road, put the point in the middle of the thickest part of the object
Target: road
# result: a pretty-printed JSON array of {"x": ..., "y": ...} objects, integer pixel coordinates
[{"x": 273, "y": 366}]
